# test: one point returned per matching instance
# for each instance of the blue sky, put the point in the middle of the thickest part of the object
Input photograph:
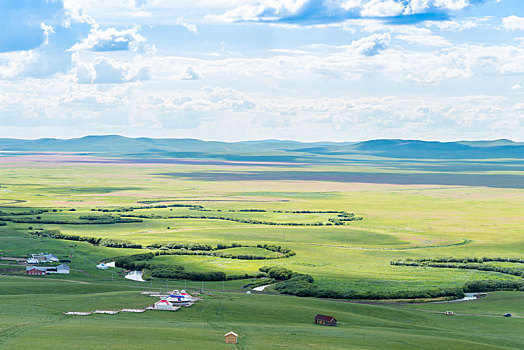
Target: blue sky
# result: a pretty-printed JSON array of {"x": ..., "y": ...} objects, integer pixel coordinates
[{"x": 339, "y": 70}]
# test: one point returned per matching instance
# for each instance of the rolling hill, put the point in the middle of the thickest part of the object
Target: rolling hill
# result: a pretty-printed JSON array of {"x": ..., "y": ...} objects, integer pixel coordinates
[{"x": 269, "y": 150}]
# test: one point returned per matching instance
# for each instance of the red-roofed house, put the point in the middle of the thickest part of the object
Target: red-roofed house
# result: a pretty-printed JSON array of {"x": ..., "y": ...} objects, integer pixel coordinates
[
  {"x": 32, "y": 270},
  {"x": 231, "y": 338},
  {"x": 325, "y": 320}
]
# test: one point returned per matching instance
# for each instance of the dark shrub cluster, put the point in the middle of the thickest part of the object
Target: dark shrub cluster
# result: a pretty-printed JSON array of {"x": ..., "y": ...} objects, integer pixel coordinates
[
  {"x": 466, "y": 263},
  {"x": 30, "y": 212},
  {"x": 160, "y": 206},
  {"x": 468, "y": 260},
  {"x": 83, "y": 220},
  {"x": 205, "y": 249},
  {"x": 286, "y": 252},
  {"x": 133, "y": 262},
  {"x": 492, "y": 285},
  {"x": 225, "y": 218},
  {"x": 178, "y": 272},
  {"x": 106, "y": 242}
]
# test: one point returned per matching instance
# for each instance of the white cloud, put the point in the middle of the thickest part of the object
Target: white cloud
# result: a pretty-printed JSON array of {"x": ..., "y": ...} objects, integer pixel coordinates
[
  {"x": 371, "y": 45},
  {"x": 424, "y": 40},
  {"x": 110, "y": 39},
  {"x": 103, "y": 70},
  {"x": 15, "y": 63},
  {"x": 75, "y": 10},
  {"x": 513, "y": 23},
  {"x": 381, "y": 8},
  {"x": 516, "y": 87},
  {"x": 189, "y": 26},
  {"x": 63, "y": 108},
  {"x": 48, "y": 30},
  {"x": 190, "y": 74},
  {"x": 333, "y": 10},
  {"x": 456, "y": 25}
]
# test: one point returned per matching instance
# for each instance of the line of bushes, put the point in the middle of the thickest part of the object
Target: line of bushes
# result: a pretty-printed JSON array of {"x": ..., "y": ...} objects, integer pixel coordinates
[
  {"x": 493, "y": 285},
  {"x": 286, "y": 252},
  {"x": 30, "y": 212},
  {"x": 105, "y": 242},
  {"x": 302, "y": 285},
  {"x": 519, "y": 272},
  {"x": 243, "y": 221},
  {"x": 468, "y": 260},
  {"x": 170, "y": 248},
  {"x": 160, "y": 206},
  {"x": 173, "y": 245},
  {"x": 206, "y": 249},
  {"x": 107, "y": 219},
  {"x": 134, "y": 262},
  {"x": 308, "y": 211},
  {"x": 219, "y": 254},
  {"x": 178, "y": 272},
  {"x": 102, "y": 221}
]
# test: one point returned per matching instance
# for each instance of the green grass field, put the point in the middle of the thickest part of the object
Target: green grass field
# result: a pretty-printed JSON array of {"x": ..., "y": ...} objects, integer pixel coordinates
[
  {"x": 32, "y": 314},
  {"x": 400, "y": 221}
]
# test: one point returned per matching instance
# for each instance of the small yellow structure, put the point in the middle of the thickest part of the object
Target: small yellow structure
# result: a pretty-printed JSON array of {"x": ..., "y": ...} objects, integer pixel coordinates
[
  {"x": 450, "y": 313},
  {"x": 231, "y": 338}
]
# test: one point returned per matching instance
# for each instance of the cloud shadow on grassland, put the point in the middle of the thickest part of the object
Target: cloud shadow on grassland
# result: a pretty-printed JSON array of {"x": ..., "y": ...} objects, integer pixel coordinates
[{"x": 487, "y": 180}]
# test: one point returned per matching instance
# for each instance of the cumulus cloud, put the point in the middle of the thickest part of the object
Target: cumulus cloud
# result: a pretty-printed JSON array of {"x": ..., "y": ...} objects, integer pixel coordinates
[
  {"x": 103, "y": 70},
  {"x": 371, "y": 45},
  {"x": 455, "y": 25},
  {"x": 110, "y": 39},
  {"x": 190, "y": 74},
  {"x": 225, "y": 113},
  {"x": 325, "y": 11},
  {"x": 14, "y": 64},
  {"x": 189, "y": 26},
  {"x": 513, "y": 23},
  {"x": 48, "y": 30}
]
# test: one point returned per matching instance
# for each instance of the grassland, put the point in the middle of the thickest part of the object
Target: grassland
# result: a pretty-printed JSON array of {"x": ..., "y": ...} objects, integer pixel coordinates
[
  {"x": 437, "y": 217},
  {"x": 32, "y": 312}
]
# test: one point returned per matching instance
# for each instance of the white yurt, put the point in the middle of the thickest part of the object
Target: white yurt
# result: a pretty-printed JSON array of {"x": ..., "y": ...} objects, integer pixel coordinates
[
  {"x": 164, "y": 305},
  {"x": 101, "y": 266}
]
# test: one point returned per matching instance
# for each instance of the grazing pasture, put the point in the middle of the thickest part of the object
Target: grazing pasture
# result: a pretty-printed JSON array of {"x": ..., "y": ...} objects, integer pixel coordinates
[
  {"x": 262, "y": 321},
  {"x": 345, "y": 224}
]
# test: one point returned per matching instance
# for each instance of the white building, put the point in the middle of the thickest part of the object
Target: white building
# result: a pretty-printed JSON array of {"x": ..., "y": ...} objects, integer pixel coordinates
[
  {"x": 45, "y": 257},
  {"x": 62, "y": 269},
  {"x": 164, "y": 305}
]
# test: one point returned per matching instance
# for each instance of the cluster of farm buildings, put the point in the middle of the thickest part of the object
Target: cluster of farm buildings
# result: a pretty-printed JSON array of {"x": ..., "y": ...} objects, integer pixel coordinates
[{"x": 42, "y": 258}]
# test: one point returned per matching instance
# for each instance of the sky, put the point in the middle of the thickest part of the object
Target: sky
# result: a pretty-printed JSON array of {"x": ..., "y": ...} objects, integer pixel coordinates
[{"x": 307, "y": 70}]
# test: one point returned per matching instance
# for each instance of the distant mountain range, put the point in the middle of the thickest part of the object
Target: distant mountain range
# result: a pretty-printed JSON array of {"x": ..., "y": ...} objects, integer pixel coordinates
[{"x": 270, "y": 150}]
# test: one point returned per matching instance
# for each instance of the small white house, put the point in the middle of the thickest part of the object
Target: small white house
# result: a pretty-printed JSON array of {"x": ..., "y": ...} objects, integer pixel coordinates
[
  {"x": 101, "y": 266},
  {"x": 45, "y": 257},
  {"x": 164, "y": 305},
  {"x": 51, "y": 258},
  {"x": 62, "y": 269}
]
